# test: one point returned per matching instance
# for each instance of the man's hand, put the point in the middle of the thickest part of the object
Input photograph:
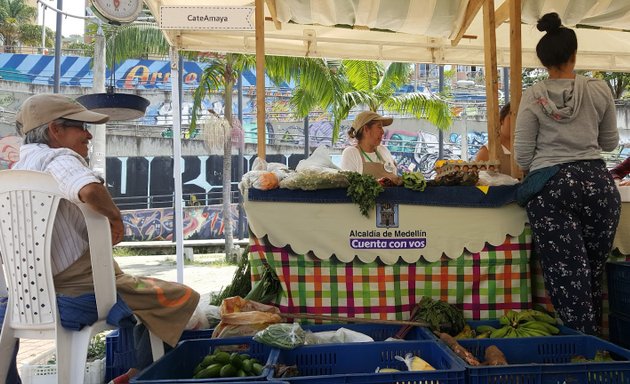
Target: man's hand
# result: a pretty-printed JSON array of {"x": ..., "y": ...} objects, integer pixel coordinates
[
  {"x": 98, "y": 198},
  {"x": 118, "y": 231}
]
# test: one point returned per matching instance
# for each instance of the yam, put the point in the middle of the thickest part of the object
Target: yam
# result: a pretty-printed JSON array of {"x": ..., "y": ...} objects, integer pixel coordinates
[
  {"x": 458, "y": 349},
  {"x": 494, "y": 356}
]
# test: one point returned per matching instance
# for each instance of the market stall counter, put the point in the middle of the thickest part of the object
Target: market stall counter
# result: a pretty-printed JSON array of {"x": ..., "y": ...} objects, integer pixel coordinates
[{"x": 469, "y": 246}]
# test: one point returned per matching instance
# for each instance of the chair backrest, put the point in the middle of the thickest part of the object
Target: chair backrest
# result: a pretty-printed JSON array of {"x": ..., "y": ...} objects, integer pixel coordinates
[{"x": 28, "y": 208}]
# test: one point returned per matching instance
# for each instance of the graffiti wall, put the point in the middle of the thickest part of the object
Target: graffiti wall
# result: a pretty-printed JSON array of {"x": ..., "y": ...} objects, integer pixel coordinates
[{"x": 204, "y": 222}]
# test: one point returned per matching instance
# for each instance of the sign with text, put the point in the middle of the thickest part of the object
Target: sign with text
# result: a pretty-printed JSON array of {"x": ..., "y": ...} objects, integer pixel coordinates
[{"x": 206, "y": 17}]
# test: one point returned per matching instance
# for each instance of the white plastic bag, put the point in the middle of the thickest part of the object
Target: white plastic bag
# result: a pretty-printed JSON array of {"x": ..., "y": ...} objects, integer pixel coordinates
[
  {"x": 492, "y": 178},
  {"x": 341, "y": 335},
  {"x": 319, "y": 159}
]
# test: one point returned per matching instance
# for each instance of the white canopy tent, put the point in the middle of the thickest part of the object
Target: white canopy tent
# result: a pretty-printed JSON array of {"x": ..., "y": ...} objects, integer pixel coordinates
[{"x": 419, "y": 31}]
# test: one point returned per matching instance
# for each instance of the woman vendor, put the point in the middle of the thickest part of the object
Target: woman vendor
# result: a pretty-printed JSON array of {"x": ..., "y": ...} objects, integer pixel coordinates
[{"x": 368, "y": 156}]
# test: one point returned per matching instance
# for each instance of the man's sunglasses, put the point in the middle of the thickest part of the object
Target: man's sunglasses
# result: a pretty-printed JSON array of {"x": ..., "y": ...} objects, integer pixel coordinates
[{"x": 74, "y": 123}]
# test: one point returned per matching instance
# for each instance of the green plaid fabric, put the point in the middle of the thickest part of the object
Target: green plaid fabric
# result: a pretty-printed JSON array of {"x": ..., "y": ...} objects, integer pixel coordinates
[{"x": 484, "y": 284}]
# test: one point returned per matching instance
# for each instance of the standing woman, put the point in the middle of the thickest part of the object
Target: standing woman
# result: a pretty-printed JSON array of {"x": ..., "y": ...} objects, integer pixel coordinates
[
  {"x": 563, "y": 124},
  {"x": 368, "y": 156}
]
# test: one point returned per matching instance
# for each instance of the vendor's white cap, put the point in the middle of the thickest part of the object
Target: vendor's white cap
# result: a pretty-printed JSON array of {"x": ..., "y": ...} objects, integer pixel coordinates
[{"x": 365, "y": 117}]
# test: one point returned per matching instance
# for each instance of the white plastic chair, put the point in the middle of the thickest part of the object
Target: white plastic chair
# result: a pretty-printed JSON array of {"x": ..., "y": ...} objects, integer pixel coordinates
[{"x": 28, "y": 207}]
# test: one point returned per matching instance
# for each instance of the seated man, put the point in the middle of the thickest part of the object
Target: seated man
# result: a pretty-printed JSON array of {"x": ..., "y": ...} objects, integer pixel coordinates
[{"x": 56, "y": 141}]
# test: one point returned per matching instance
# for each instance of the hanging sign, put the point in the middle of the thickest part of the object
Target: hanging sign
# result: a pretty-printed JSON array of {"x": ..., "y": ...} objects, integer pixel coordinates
[{"x": 206, "y": 18}]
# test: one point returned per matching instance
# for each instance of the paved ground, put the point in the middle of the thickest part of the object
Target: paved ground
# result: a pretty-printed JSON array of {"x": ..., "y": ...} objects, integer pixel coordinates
[{"x": 204, "y": 278}]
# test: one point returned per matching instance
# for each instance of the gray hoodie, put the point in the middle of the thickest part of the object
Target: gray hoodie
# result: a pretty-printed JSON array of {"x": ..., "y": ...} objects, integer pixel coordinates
[{"x": 564, "y": 120}]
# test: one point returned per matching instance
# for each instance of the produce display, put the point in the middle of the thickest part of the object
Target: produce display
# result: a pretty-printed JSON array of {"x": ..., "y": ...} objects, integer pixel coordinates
[
  {"x": 363, "y": 190},
  {"x": 459, "y": 172},
  {"x": 527, "y": 323},
  {"x": 282, "y": 335},
  {"x": 224, "y": 364},
  {"x": 414, "y": 181},
  {"x": 440, "y": 315}
]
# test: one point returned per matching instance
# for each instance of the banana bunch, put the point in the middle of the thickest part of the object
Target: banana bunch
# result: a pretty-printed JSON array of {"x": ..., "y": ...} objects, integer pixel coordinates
[{"x": 527, "y": 323}]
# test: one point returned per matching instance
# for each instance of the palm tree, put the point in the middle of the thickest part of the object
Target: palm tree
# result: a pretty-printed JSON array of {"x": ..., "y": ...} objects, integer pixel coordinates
[
  {"x": 339, "y": 87},
  {"x": 17, "y": 23},
  {"x": 222, "y": 72},
  {"x": 143, "y": 39},
  {"x": 136, "y": 40}
]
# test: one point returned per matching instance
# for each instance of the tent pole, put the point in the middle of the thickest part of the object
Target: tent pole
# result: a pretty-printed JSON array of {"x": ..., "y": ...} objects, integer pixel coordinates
[
  {"x": 516, "y": 70},
  {"x": 492, "y": 82},
  {"x": 178, "y": 230},
  {"x": 260, "y": 76}
]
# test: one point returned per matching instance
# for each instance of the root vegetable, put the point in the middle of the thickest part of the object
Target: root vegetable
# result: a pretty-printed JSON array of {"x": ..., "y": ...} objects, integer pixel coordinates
[
  {"x": 494, "y": 356},
  {"x": 458, "y": 349}
]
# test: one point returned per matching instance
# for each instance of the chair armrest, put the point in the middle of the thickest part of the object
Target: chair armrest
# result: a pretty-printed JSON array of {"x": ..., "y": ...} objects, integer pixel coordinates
[{"x": 100, "y": 239}]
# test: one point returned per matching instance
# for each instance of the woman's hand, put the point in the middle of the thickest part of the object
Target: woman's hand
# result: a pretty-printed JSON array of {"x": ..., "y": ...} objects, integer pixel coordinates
[{"x": 390, "y": 181}]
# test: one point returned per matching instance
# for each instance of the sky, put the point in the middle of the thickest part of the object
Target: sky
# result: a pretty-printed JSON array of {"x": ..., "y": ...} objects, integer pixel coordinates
[{"x": 70, "y": 25}]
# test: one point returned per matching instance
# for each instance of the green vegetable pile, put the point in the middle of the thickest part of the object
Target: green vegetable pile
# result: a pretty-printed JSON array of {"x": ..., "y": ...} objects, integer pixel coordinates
[
  {"x": 223, "y": 364},
  {"x": 363, "y": 190},
  {"x": 442, "y": 316},
  {"x": 267, "y": 289},
  {"x": 282, "y": 335},
  {"x": 414, "y": 181},
  {"x": 241, "y": 282}
]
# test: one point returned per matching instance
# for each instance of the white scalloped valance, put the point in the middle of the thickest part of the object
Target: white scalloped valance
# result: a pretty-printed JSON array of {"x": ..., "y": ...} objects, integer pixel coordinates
[{"x": 340, "y": 230}]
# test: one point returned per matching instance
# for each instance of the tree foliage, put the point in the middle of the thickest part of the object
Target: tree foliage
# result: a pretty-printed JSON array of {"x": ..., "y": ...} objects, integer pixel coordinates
[
  {"x": 340, "y": 86},
  {"x": 618, "y": 82},
  {"x": 17, "y": 24}
]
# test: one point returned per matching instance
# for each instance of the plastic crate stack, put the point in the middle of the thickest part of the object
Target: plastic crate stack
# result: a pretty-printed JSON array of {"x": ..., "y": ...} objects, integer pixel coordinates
[
  {"x": 323, "y": 363},
  {"x": 548, "y": 360},
  {"x": 618, "y": 275},
  {"x": 120, "y": 356}
]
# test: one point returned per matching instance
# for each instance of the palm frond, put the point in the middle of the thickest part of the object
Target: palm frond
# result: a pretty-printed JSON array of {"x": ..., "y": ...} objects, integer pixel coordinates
[
  {"x": 212, "y": 78},
  {"x": 137, "y": 40},
  {"x": 395, "y": 75},
  {"x": 433, "y": 109},
  {"x": 363, "y": 75}
]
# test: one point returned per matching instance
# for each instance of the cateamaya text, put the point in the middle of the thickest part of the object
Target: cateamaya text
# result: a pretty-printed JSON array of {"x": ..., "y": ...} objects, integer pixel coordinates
[{"x": 214, "y": 19}]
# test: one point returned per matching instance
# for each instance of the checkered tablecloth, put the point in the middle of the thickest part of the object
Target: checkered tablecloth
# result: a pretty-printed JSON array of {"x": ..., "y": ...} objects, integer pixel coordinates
[{"x": 482, "y": 284}]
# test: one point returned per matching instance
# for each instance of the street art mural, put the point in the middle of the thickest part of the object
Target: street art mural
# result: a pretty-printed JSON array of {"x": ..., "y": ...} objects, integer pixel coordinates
[{"x": 204, "y": 222}]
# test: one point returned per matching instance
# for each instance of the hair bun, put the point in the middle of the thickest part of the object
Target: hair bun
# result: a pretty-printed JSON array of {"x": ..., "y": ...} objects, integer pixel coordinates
[{"x": 549, "y": 22}]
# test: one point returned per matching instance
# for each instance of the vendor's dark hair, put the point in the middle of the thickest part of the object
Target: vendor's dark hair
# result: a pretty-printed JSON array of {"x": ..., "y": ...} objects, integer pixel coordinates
[
  {"x": 557, "y": 45},
  {"x": 504, "y": 112}
]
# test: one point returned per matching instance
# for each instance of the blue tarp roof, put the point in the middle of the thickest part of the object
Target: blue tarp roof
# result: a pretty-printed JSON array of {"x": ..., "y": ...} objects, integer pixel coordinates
[{"x": 131, "y": 74}]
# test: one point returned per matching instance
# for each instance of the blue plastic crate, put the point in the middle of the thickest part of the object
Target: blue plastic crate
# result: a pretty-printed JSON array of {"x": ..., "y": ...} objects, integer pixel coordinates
[
  {"x": 357, "y": 362},
  {"x": 618, "y": 276},
  {"x": 379, "y": 332},
  {"x": 120, "y": 355},
  {"x": 619, "y": 329},
  {"x": 564, "y": 331},
  {"x": 547, "y": 360},
  {"x": 178, "y": 365}
]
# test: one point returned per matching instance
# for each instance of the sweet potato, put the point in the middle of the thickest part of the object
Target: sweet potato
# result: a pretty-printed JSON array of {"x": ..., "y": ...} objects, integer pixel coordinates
[
  {"x": 494, "y": 356},
  {"x": 458, "y": 349}
]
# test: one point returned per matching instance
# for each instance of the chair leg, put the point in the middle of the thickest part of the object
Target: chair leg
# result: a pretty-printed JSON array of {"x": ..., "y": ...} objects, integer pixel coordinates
[
  {"x": 7, "y": 345},
  {"x": 72, "y": 349},
  {"x": 157, "y": 346}
]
